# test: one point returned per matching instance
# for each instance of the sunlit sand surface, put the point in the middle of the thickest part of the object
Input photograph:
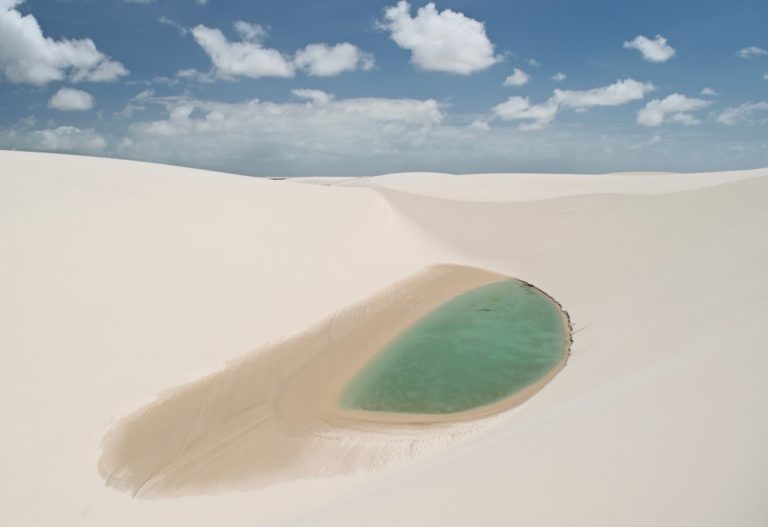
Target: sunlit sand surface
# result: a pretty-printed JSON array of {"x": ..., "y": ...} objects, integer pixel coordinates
[{"x": 165, "y": 334}]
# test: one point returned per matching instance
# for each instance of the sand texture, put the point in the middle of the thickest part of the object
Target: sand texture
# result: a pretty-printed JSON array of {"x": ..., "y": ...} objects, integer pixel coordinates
[
  {"x": 273, "y": 415},
  {"x": 138, "y": 301}
]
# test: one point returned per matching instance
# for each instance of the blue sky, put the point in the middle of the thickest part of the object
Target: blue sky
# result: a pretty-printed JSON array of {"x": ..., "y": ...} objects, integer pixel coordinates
[{"x": 355, "y": 87}]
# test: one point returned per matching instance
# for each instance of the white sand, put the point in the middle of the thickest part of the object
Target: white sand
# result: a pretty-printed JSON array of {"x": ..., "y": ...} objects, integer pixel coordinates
[{"x": 119, "y": 280}]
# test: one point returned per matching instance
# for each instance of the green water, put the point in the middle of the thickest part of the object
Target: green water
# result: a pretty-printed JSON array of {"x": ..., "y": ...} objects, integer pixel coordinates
[{"x": 476, "y": 349}]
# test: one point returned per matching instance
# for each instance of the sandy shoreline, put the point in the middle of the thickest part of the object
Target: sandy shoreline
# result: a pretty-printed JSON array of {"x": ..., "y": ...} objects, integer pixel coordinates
[
  {"x": 325, "y": 380},
  {"x": 255, "y": 418}
]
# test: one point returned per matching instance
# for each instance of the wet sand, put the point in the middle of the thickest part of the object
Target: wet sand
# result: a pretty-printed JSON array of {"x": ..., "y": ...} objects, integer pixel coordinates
[{"x": 274, "y": 414}]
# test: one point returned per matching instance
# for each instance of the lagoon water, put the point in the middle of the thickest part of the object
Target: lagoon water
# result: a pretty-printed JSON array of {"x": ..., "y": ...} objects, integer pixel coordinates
[{"x": 476, "y": 349}]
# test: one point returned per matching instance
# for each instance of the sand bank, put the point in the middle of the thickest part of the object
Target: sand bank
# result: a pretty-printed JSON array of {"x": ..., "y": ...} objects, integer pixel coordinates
[{"x": 274, "y": 414}]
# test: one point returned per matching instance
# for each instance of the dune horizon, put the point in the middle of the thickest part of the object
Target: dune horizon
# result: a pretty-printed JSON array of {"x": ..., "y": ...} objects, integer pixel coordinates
[{"x": 174, "y": 332}]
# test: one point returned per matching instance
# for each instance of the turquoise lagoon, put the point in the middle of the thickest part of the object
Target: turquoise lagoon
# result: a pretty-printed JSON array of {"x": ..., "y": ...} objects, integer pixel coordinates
[{"x": 476, "y": 349}]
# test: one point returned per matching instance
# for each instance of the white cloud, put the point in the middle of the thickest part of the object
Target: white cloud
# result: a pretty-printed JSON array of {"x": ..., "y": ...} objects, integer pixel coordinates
[
  {"x": 72, "y": 139},
  {"x": 656, "y": 50},
  {"x": 68, "y": 139},
  {"x": 262, "y": 117},
  {"x": 28, "y": 57},
  {"x": 533, "y": 62},
  {"x": 144, "y": 95},
  {"x": 250, "y": 32},
  {"x": 318, "y": 130},
  {"x": 183, "y": 31},
  {"x": 322, "y": 60},
  {"x": 136, "y": 104},
  {"x": 619, "y": 92},
  {"x": 675, "y": 108},
  {"x": 192, "y": 74},
  {"x": 241, "y": 59},
  {"x": 538, "y": 116},
  {"x": 708, "y": 92},
  {"x": 480, "y": 125},
  {"x": 751, "y": 52},
  {"x": 559, "y": 76},
  {"x": 520, "y": 109},
  {"x": 445, "y": 41},
  {"x": 366, "y": 137},
  {"x": 765, "y": 76},
  {"x": 69, "y": 99},
  {"x": 314, "y": 96},
  {"x": 518, "y": 78},
  {"x": 249, "y": 58},
  {"x": 742, "y": 113}
]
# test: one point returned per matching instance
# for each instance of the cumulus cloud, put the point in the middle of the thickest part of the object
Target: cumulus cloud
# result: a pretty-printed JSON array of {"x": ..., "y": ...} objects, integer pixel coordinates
[
  {"x": 69, "y": 99},
  {"x": 751, "y": 52},
  {"x": 656, "y": 50},
  {"x": 322, "y": 60},
  {"x": 314, "y": 130},
  {"x": 250, "y": 32},
  {"x": 742, "y": 113},
  {"x": 445, "y": 40},
  {"x": 619, "y": 92},
  {"x": 71, "y": 139},
  {"x": 68, "y": 139},
  {"x": 559, "y": 76},
  {"x": 247, "y": 58},
  {"x": 314, "y": 133},
  {"x": 314, "y": 96},
  {"x": 29, "y": 57},
  {"x": 520, "y": 109},
  {"x": 263, "y": 117},
  {"x": 675, "y": 108},
  {"x": 136, "y": 104},
  {"x": 518, "y": 78},
  {"x": 537, "y": 116},
  {"x": 709, "y": 92},
  {"x": 250, "y": 58}
]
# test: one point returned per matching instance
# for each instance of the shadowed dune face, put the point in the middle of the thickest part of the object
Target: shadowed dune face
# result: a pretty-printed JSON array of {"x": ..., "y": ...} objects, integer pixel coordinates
[{"x": 274, "y": 415}]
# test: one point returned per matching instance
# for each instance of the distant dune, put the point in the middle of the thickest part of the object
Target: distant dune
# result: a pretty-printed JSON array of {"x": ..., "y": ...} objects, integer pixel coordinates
[{"x": 123, "y": 284}]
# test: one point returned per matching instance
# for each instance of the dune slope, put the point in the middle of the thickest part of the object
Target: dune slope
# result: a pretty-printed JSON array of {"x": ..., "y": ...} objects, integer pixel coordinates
[{"x": 121, "y": 280}]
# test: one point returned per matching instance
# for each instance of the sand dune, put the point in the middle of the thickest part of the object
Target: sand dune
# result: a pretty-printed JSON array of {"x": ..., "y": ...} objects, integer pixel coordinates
[{"x": 123, "y": 280}]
